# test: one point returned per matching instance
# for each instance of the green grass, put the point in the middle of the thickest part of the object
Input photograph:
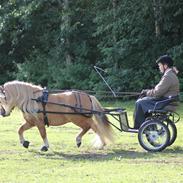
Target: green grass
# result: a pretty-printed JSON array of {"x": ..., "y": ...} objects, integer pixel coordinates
[{"x": 124, "y": 161}]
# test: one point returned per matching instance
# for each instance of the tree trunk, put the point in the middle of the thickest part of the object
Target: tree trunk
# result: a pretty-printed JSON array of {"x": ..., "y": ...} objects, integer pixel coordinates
[
  {"x": 67, "y": 24},
  {"x": 158, "y": 16},
  {"x": 114, "y": 5}
]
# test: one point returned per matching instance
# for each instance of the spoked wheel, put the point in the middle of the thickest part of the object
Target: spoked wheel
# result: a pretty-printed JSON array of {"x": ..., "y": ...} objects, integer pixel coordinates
[
  {"x": 173, "y": 131},
  {"x": 154, "y": 135}
]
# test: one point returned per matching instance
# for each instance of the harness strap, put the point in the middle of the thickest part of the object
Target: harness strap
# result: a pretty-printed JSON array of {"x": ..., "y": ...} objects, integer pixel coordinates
[
  {"x": 90, "y": 101},
  {"x": 78, "y": 104},
  {"x": 45, "y": 117},
  {"x": 44, "y": 99},
  {"x": 78, "y": 101}
]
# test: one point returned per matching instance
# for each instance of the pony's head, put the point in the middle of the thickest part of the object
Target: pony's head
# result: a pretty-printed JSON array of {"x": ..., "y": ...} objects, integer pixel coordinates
[
  {"x": 19, "y": 94},
  {"x": 5, "y": 107}
]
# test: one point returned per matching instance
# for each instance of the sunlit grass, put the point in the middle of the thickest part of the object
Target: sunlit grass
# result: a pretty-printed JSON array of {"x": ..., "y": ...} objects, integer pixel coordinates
[{"x": 124, "y": 161}]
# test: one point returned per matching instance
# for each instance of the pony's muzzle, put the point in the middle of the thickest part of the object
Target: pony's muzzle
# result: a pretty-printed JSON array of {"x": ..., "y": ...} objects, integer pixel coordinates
[{"x": 2, "y": 112}]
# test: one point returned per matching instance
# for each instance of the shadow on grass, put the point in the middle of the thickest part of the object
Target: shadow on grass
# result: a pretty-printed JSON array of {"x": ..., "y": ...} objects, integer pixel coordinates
[
  {"x": 118, "y": 155},
  {"x": 175, "y": 150},
  {"x": 96, "y": 156},
  {"x": 107, "y": 156}
]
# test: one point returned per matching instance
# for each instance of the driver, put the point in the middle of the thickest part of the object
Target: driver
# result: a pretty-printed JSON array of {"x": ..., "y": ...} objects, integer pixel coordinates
[{"x": 167, "y": 86}]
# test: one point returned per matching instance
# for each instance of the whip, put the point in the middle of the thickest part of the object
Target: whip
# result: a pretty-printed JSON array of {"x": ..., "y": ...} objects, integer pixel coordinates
[{"x": 99, "y": 70}]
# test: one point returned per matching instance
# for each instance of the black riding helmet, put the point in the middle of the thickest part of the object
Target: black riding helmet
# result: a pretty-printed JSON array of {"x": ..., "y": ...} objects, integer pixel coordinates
[{"x": 165, "y": 59}]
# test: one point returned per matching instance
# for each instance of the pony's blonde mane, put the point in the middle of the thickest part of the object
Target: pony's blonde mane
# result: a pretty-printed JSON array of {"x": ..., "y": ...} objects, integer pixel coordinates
[{"x": 20, "y": 94}]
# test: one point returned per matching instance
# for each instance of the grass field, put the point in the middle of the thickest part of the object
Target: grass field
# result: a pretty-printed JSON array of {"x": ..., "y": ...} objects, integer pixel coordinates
[{"x": 124, "y": 161}]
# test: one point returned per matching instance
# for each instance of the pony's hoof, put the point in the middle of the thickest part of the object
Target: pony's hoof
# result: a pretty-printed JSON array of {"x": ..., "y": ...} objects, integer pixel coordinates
[
  {"x": 26, "y": 144},
  {"x": 79, "y": 144},
  {"x": 44, "y": 149}
]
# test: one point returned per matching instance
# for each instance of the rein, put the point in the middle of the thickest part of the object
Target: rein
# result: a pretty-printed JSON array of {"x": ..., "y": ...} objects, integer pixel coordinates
[{"x": 104, "y": 94}]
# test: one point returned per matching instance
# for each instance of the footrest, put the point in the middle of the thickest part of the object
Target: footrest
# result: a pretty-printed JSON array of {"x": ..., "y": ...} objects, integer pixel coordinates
[
  {"x": 157, "y": 111},
  {"x": 124, "y": 121}
]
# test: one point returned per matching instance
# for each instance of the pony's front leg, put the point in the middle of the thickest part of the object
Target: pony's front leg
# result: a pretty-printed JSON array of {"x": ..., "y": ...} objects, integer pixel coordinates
[
  {"x": 42, "y": 131},
  {"x": 21, "y": 130}
]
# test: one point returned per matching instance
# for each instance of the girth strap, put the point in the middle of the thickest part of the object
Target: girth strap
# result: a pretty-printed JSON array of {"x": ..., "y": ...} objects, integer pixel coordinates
[
  {"x": 44, "y": 99},
  {"x": 44, "y": 115},
  {"x": 44, "y": 102}
]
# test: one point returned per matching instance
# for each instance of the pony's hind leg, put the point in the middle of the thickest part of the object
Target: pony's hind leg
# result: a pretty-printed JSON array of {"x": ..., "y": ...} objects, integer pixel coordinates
[
  {"x": 21, "y": 130},
  {"x": 80, "y": 135},
  {"x": 42, "y": 131},
  {"x": 99, "y": 142}
]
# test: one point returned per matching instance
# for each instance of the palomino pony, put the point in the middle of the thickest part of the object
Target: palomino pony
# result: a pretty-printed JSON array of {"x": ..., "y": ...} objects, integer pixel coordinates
[{"x": 25, "y": 96}]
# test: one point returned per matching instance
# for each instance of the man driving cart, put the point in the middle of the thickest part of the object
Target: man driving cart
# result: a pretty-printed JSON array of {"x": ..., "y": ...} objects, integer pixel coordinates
[{"x": 167, "y": 86}]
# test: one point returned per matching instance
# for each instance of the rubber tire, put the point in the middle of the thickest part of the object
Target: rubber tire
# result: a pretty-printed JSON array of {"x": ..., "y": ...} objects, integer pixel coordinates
[
  {"x": 173, "y": 135},
  {"x": 145, "y": 125}
]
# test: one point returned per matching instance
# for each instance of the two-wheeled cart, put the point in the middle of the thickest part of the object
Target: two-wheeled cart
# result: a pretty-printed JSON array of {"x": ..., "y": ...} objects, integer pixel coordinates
[{"x": 158, "y": 130}]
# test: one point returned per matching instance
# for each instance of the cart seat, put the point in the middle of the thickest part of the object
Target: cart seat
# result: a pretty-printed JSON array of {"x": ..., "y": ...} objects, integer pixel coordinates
[{"x": 168, "y": 105}]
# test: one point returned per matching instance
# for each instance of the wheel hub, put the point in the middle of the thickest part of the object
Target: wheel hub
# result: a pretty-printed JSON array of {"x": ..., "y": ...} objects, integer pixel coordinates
[{"x": 153, "y": 136}]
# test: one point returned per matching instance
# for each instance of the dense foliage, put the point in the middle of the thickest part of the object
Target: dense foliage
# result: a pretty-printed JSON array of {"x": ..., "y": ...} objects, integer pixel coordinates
[{"x": 57, "y": 42}]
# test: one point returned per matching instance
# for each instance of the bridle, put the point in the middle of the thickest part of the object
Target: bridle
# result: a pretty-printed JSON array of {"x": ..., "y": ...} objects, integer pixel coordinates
[{"x": 2, "y": 90}]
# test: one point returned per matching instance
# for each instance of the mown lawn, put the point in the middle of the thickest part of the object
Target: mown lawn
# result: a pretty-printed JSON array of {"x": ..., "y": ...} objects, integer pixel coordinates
[{"x": 124, "y": 161}]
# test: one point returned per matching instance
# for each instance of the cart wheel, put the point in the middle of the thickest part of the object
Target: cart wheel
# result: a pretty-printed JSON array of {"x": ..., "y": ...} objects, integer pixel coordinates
[
  {"x": 173, "y": 131},
  {"x": 154, "y": 135}
]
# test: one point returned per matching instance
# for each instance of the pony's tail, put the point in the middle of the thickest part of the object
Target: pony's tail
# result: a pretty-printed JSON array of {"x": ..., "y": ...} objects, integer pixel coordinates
[{"x": 104, "y": 129}]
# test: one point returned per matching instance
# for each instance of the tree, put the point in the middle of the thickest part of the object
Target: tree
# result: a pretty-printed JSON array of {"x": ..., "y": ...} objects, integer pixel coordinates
[{"x": 56, "y": 43}]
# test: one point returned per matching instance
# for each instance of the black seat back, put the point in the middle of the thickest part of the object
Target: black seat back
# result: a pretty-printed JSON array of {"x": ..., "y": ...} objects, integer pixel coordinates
[{"x": 171, "y": 100}]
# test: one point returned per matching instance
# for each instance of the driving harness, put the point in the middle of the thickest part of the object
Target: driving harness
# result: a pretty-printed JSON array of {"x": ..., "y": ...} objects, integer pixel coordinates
[{"x": 77, "y": 108}]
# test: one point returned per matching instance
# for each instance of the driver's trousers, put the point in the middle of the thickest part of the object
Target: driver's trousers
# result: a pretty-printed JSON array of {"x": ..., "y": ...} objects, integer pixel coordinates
[{"x": 142, "y": 106}]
